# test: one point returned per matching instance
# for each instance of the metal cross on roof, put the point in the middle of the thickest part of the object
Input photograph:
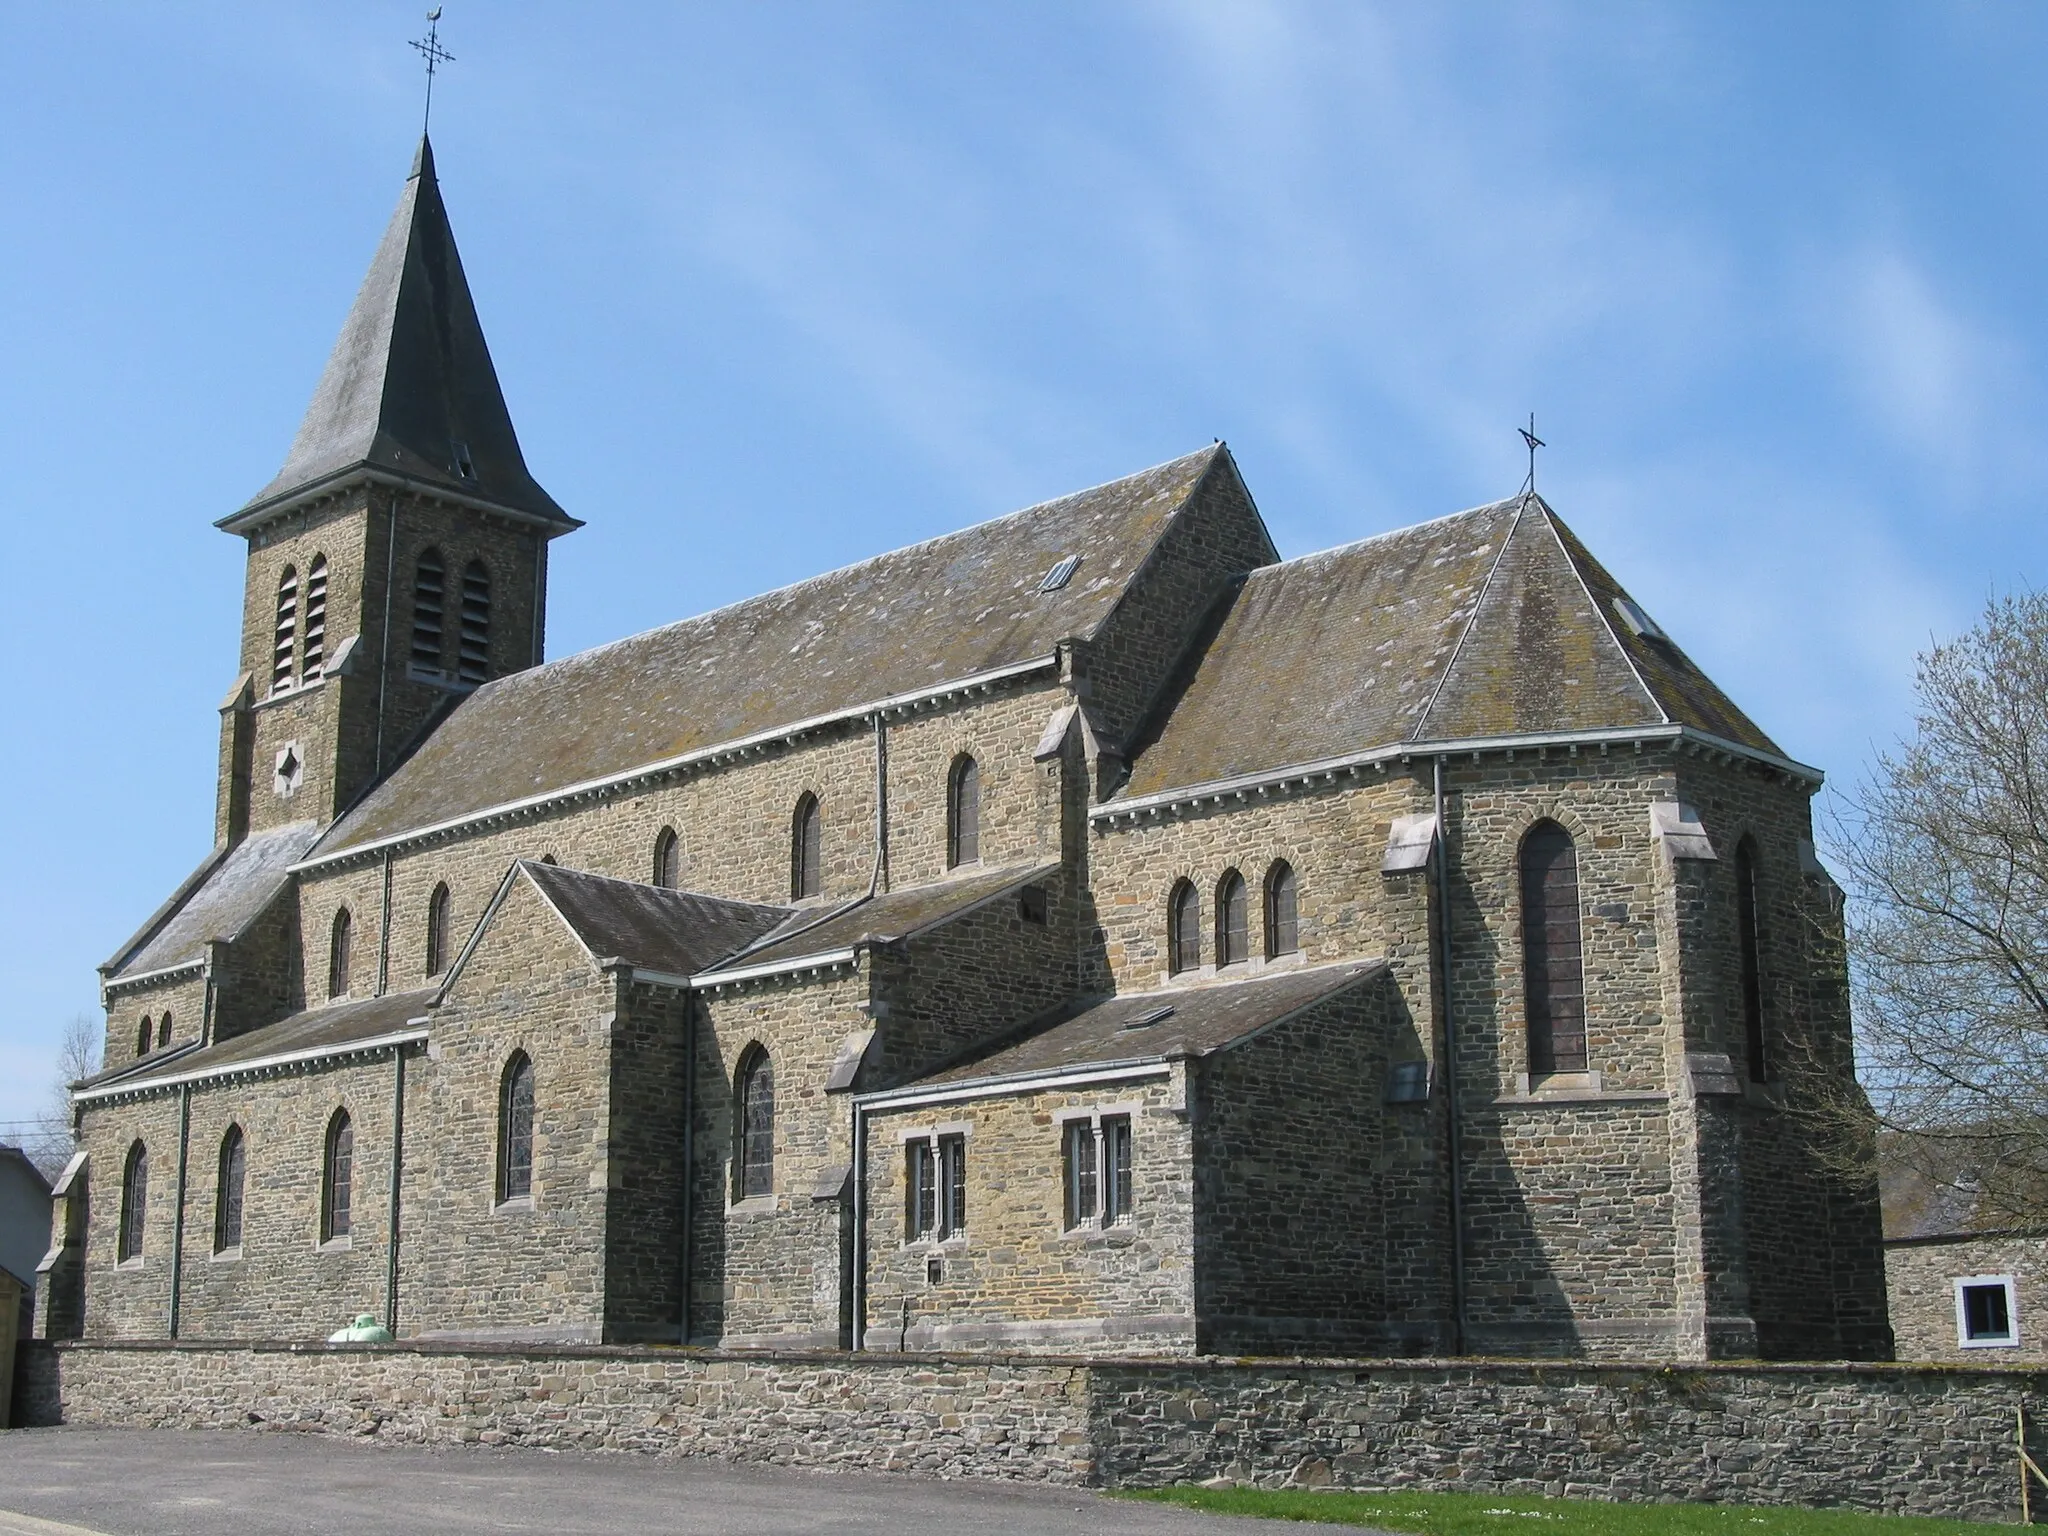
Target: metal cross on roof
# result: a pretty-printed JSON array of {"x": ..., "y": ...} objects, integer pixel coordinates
[
  {"x": 431, "y": 50},
  {"x": 1529, "y": 436}
]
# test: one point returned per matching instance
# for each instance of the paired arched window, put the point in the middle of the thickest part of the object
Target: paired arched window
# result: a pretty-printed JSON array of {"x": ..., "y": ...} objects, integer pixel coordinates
[
  {"x": 227, "y": 1191},
  {"x": 429, "y": 595},
  {"x": 163, "y": 1030},
  {"x": 1553, "y": 970},
  {"x": 337, "y": 1180},
  {"x": 963, "y": 812},
  {"x": 1749, "y": 937},
  {"x": 134, "y": 1203},
  {"x": 515, "y": 1129},
  {"x": 339, "y": 944},
  {"x": 145, "y": 1034},
  {"x": 806, "y": 844},
  {"x": 438, "y": 954},
  {"x": 316, "y": 618},
  {"x": 1183, "y": 928},
  {"x": 1283, "y": 913},
  {"x": 1233, "y": 920},
  {"x": 754, "y": 1157},
  {"x": 287, "y": 627},
  {"x": 667, "y": 859},
  {"x": 473, "y": 640}
]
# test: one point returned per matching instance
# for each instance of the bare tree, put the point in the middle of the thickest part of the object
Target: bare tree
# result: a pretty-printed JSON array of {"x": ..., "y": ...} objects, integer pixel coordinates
[
  {"x": 52, "y": 1142},
  {"x": 1945, "y": 849}
]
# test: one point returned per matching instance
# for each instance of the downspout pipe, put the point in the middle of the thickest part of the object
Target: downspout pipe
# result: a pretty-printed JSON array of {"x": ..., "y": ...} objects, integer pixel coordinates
[
  {"x": 397, "y": 1173},
  {"x": 684, "y": 1321},
  {"x": 1454, "y": 1118},
  {"x": 178, "y": 1223},
  {"x": 860, "y": 1226}
]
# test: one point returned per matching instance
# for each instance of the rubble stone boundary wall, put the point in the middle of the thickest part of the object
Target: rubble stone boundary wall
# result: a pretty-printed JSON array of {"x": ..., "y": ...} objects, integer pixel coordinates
[{"x": 1930, "y": 1440}]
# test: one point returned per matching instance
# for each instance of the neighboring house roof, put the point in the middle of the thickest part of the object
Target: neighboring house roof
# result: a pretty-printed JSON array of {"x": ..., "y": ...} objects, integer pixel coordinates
[
  {"x": 946, "y": 610},
  {"x": 13, "y": 1154},
  {"x": 882, "y": 919},
  {"x": 1183, "y": 1021},
  {"x": 225, "y": 895},
  {"x": 331, "y": 1030},
  {"x": 1492, "y": 622},
  {"x": 410, "y": 390},
  {"x": 646, "y": 926}
]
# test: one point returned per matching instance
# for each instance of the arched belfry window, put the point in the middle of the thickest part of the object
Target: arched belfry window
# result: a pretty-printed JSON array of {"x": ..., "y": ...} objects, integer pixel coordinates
[
  {"x": 963, "y": 812},
  {"x": 316, "y": 619},
  {"x": 429, "y": 595},
  {"x": 337, "y": 1182},
  {"x": 134, "y": 1203},
  {"x": 754, "y": 1157},
  {"x": 1749, "y": 936},
  {"x": 338, "y": 947},
  {"x": 667, "y": 859},
  {"x": 287, "y": 628},
  {"x": 806, "y": 846},
  {"x": 1183, "y": 928},
  {"x": 438, "y": 954},
  {"x": 145, "y": 1035},
  {"x": 1553, "y": 971},
  {"x": 515, "y": 1129},
  {"x": 1283, "y": 911},
  {"x": 227, "y": 1191},
  {"x": 1233, "y": 921},
  {"x": 474, "y": 639}
]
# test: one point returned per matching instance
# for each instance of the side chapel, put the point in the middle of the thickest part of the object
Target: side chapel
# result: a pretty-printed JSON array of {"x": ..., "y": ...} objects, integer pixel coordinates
[{"x": 1084, "y": 932}]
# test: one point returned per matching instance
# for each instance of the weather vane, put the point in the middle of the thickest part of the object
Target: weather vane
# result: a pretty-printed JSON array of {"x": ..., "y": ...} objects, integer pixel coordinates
[
  {"x": 1529, "y": 436},
  {"x": 431, "y": 50}
]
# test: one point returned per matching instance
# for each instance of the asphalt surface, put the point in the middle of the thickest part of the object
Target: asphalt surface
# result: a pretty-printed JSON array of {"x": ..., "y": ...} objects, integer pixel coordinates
[{"x": 109, "y": 1482}]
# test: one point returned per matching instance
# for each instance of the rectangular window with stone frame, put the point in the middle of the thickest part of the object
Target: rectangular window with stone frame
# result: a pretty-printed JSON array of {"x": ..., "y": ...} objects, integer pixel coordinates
[
  {"x": 1097, "y": 1171},
  {"x": 935, "y": 1188}
]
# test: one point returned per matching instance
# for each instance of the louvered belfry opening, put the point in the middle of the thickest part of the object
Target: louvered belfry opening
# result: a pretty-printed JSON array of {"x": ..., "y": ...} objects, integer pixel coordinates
[
  {"x": 429, "y": 587},
  {"x": 1552, "y": 967},
  {"x": 287, "y": 628},
  {"x": 474, "y": 641},
  {"x": 316, "y": 618}
]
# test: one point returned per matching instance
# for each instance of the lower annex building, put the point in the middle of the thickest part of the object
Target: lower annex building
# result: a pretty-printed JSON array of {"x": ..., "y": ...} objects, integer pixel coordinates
[{"x": 1083, "y": 932}]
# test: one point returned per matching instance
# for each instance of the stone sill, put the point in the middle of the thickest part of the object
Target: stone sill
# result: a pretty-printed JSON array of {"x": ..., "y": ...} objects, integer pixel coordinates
[
  {"x": 286, "y": 695},
  {"x": 1574, "y": 1096}
]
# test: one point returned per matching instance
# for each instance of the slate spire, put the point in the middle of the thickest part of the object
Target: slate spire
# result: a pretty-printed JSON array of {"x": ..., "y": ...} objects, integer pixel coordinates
[{"x": 409, "y": 392}]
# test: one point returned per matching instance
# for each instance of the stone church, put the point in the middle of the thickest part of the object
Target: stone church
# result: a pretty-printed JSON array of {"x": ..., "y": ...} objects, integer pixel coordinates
[{"x": 1085, "y": 932}]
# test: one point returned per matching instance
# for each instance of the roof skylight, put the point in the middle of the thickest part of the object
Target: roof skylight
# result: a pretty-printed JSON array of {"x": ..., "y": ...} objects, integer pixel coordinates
[
  {"x": 1060, "y": 574},
  {"x": 1150, "y": 1016},
  {"x": 1639, "y": 622}
]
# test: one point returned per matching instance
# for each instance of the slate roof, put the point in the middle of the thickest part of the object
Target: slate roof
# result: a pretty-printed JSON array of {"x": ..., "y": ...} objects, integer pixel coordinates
[
  {"x": 680, "y": 932},
  {"x": 329, "y": 1029},
  {"x": 1203, "y": 1020},
  {"x": 411, "y": 377},
  {"x": 218, "y": 901},
  {"x": 1492, "y": 622},
  {"x": 884, "y": 918},
  {"x": 946, "y": 609}
]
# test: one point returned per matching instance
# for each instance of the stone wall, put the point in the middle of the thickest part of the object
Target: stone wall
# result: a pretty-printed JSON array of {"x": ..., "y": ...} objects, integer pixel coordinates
[
  {"x": 1926, "y": 1440},
  {"x": 1921, "y": 1276}
]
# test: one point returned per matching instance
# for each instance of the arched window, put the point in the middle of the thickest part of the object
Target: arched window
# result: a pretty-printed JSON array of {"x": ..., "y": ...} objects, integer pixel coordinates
[
  {"x": 134, "y": 1203},
  {"x": 338, "y": 955},
  {"x": 667, "y": 873},
  {"x": 437, "y": 931},
  {"x": 337, "y": 1183},
  {"x": 287, "y": 627},
  {"x": 1233, "y": 921},
  {"x": 754, "y": 1159},
  {"x": 145, "y": 1035},
  {"x": 1283, "y": 912},
  {"x": 429, "y": 588},
  {"x": 316, "y": 617},
  {"x": 163, "y": 1030},
  {"x": 963, "y": 812},
  {"x": 474, "y": 641},
  {"x": 515, "y": 1129},
  {"x": 227, "y": 1192},
  {"x": 1750, "y": 937},
  {"x": 1553, "y": 972},
  {"x": 806, "y": 839},
  {"x": 1183, "y": 928}
]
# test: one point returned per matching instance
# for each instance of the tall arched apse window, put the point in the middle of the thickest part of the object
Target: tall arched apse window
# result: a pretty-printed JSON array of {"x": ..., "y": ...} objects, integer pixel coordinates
[
  {"x": 1553, "y": 972},
  {"x": 145, "y": 1035},
  {"x": 315, "y": 648},
  {"x": 429, "y": 596},
  {"x": 754, "y": 1157},
  {"x": 227, "y": 1191},
  {"x": 667, "y": 859},
  {"x": 515, "y": 1129},
  {"x": 437, "y": 930},
  {"x": 806, "y": 847},
  {"x": 1183, "y": 928},
  {"x": 286, "y": 633},
  {"x": 963, "y": 812},
  {"x": 339, "y": 945},
  {"x": 473, "y": 640},
  {"x": 1750, "y": 939},
  {"x": 337, "y": 1181},
  {"x": 134, "y": 1203},
  {"x": 1283, "y": 914},
  {"x": 1233, "y": 920}
]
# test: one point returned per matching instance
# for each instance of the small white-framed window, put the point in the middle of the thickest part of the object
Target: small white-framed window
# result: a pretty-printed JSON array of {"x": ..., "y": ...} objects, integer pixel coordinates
[
  {"x": 1096, "y": 1168},
  {"x": 1987, "y": 1316}
]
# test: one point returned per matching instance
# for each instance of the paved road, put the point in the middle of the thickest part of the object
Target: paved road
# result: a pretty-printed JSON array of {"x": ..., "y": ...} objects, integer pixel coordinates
[{"x": 101, "y": 1482}]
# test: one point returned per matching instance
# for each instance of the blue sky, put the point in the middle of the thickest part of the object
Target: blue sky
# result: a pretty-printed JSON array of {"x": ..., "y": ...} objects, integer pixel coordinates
[{"x": 773, "y": 286}]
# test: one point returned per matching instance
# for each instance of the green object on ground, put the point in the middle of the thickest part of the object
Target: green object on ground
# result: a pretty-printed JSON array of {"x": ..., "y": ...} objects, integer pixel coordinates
[
  {"x": 1494, "y": 1514},
  {"x": 364, "y": 1330}
]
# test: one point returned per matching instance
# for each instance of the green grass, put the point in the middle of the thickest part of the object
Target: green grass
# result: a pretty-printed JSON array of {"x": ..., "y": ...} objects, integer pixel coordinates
[{"x": 1491, "y": 1514}]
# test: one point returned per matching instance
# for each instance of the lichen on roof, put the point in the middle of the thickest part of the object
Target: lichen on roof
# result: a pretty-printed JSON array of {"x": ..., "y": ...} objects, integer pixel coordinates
[{"x": 232, "y": 891}]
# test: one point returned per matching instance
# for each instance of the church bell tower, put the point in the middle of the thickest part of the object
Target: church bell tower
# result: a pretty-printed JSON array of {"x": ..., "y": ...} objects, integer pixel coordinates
[{"x": 398, "y": 560}]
